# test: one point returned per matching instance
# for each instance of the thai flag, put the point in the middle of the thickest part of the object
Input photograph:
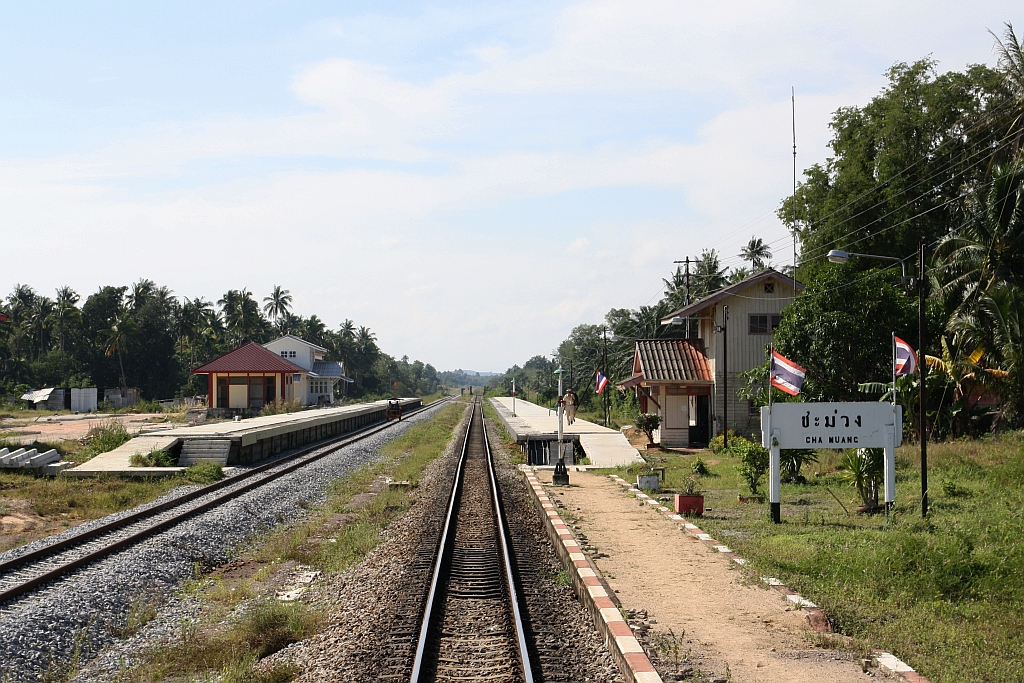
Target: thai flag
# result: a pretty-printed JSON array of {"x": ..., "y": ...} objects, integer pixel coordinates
[
  {"x": 906, "y": 359},
  {"x": 602, "y": 382},
  {"x": 786, "y": 375}
]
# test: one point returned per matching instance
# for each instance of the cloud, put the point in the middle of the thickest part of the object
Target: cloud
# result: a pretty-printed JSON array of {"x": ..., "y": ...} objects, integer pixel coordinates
[{"x": 528, "y": 187}]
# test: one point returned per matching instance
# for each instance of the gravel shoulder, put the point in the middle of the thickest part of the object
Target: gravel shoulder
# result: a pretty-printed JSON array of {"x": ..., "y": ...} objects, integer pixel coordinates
[{"x": 47, "y": 634}]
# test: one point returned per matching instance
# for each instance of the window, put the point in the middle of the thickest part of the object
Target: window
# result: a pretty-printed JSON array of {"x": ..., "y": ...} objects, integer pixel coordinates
[
  {"x": 759, "y": 323},
  {"x": 287, "y": 354},
  {"x": 753, "y": 410},
  {"x": 297, "y": 378},
  {"x": 769, "y": 288}
]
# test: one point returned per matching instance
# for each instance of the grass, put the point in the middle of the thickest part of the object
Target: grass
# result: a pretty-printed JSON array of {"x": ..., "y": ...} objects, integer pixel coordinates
[
  {"x": 240, "y": 628},
  {"x": 231, "y": 652},
  {"x": 945, "y": 594},
  {"x": 405, "y": 459}
]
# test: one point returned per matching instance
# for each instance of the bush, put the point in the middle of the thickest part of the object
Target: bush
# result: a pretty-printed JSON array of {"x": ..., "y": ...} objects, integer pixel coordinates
[
  {"x": 700, "y": 468},
  {"x": 204, "y": 473},
  {"x": 792, "y": 459},
  {"x": 648, "y": 423},
  {"x": 717, "y": 444},
  {"x": 106, "y": 436},
  {"x": 155, "y": 458},
  {"x": 754, "y": 461},
  {"x": 282, "y": 406}
]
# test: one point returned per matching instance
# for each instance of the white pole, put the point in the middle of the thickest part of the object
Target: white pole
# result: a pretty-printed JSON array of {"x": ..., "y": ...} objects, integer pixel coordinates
[
  {"x": 560, "y": 412},
  {"x": 513, "y": 397},
  {"x": 774, "y": 455},
  {"x": 890, "y": 441}
]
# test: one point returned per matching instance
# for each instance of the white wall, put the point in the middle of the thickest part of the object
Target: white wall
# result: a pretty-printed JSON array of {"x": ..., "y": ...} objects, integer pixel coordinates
[{"x": 303, "y": 352}]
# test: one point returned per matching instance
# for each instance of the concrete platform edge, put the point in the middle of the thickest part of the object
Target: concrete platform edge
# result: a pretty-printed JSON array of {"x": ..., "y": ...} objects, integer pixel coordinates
[
  {"x": 592, "y": 591},
  {"x": 816, "y": 617}
]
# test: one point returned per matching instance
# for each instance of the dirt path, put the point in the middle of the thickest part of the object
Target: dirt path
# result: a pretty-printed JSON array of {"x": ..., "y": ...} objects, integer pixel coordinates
[{"x": 652, "y": 565}]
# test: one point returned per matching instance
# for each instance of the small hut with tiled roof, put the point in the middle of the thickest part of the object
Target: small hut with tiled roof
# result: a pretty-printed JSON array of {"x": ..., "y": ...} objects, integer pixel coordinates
[{"x": 250, "y": 377}]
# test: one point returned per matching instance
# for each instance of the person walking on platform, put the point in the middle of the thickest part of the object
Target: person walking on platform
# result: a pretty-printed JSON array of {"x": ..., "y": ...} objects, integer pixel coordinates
[{"x": 569, "y": 405}]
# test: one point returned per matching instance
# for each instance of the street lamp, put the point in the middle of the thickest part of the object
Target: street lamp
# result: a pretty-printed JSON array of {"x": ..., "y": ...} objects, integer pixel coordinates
[
  {"x": 561, "y": 474},
  {"x": 838, "y": 256}
]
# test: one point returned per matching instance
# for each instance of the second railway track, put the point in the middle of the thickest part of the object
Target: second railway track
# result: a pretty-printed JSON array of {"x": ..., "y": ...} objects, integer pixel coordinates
[{"x": 28, "y": 571}]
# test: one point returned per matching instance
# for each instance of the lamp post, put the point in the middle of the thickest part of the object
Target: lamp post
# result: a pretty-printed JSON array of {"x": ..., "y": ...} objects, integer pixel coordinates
[
  {"x": 837, "y": 256},
  {"x": 561, "y": 475},
  {"x": 724, "y": 329}
]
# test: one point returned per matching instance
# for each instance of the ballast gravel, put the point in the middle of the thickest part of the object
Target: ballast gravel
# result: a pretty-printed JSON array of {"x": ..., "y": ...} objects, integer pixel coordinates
[{"x": 46, "y": 634}]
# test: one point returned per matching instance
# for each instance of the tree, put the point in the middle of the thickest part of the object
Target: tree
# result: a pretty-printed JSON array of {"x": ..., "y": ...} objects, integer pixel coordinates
[
  {"x": 899, "y": 164},
  {"x": 65, "y": 314},
  {"x": 117, "y": 338},
  {"x": 757, "y": 252},
  {"x": 841, "y": 328},
  {"x": 278, "y": 304}
]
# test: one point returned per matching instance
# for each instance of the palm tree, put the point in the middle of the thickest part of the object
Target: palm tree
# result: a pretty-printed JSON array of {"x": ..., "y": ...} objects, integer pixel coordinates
[
  {"x": 64, "y": 313},
  {"x": 738, "y": 274},
  {"x": 116, "y": 338},
  {"x": 315, "y": 330},
  {"x": 278, "y": 304},
  {"x": 988, "y": 251},
  {"x": 1011, "y": 64},
  {"x": 709, "y": 275},
  {"x": 39, "y": 321},
  {"x": 241, "y": 314},
  {"x": 347, "y": 330},
  {"x": 757, "y": 252},
  {"x": 142, "y": 291}
]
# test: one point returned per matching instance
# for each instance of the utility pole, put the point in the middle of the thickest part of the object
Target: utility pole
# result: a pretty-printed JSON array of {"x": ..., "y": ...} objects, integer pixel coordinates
[
  {"x": 922, "y": 290},
  {"x": 686, "y": 281},
  {"x": 723, "y": 328}
]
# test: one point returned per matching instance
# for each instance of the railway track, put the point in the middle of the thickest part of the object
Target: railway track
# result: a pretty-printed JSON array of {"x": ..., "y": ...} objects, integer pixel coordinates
[
  {"x": 472, "y": 627},
  {"x": 26, "y": 572}
]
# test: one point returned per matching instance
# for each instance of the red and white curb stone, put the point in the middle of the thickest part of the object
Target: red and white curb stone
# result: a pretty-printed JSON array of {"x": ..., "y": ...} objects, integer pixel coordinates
[
  {"x": 818, "y": 621},
  {"x": 623, "y": 645}
]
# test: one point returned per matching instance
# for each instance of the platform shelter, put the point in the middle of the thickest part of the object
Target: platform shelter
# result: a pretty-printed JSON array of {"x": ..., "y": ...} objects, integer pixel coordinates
[{"x": 250, "y": 377}]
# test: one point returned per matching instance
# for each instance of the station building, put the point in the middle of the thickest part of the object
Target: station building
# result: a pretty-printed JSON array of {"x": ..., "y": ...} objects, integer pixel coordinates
[
  {"x": 287, "y": 368},
  {"x": 685, "y": 380}
]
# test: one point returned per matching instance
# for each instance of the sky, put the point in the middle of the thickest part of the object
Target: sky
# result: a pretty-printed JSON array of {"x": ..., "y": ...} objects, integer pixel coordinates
[{"x": 469, "y": 180}]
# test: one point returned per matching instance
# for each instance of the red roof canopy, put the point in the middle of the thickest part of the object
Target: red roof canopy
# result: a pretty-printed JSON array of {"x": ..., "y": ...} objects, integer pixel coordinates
[{"x": 249, "y": 358}]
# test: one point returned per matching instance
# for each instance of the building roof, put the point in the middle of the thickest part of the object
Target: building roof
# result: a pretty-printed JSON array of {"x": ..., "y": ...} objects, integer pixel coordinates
[
  {"x": 37, "y": 396},
  {"x": 731, "y": 290},
  {"x": 331, "y": 369},
  {"x": 671, "y": 360},
  {"x": 300, "y": 340},
  {"x": 249, "y": 358}
]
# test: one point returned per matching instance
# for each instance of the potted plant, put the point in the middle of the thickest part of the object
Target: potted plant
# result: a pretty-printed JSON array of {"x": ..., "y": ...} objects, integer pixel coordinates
[
  {"x": 691, "y": 500},
  {"x": 648, "y": 423}
]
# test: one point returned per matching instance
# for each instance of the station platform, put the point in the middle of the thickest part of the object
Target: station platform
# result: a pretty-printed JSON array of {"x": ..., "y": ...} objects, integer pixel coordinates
[
  {"x": 604, "y": 447},
  {"x": 241, "y": 442}
]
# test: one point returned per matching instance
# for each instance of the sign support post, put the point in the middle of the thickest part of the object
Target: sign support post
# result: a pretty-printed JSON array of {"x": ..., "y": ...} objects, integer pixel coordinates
[{"x": 831, "y": 425}]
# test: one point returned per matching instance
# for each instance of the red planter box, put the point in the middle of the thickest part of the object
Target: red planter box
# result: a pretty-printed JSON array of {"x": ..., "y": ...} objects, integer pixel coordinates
[{"x": 689, "y": 505}]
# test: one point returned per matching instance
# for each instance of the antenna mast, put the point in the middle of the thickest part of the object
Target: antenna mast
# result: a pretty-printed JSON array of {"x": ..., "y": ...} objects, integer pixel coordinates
[{"x": 793, "y": 100}]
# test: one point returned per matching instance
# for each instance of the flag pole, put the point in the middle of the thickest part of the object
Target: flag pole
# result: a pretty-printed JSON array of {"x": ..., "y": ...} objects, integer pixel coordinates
[{"x": 894, "y": 372}]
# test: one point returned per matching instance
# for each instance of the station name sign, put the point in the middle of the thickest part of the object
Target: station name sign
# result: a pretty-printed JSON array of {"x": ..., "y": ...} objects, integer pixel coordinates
[{"x": 832, "y": 425}]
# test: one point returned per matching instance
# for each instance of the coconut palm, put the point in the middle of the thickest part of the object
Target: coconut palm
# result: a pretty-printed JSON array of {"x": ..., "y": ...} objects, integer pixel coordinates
[
  {"x": 116, "y": 338},
  {"x": 314, "y": 330},
  {"x": 1011, "y": 64},
  {"x": 141, "y": 292},
  {"x": 65, "y": 313},
  {"x": 709, "y": 275},
  {"x": 278, "y": 304},
  {"x": 757, "y": 252}
]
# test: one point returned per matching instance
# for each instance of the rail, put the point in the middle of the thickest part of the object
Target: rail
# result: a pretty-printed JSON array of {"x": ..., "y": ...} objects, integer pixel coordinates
[
  {"x": 461, "y": 599},
  {"x": 26, "y": 572}
]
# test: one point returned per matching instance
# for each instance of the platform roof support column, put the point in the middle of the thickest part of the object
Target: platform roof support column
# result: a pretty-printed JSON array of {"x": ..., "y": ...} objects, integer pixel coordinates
[{"x": 209, "y": 391}]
